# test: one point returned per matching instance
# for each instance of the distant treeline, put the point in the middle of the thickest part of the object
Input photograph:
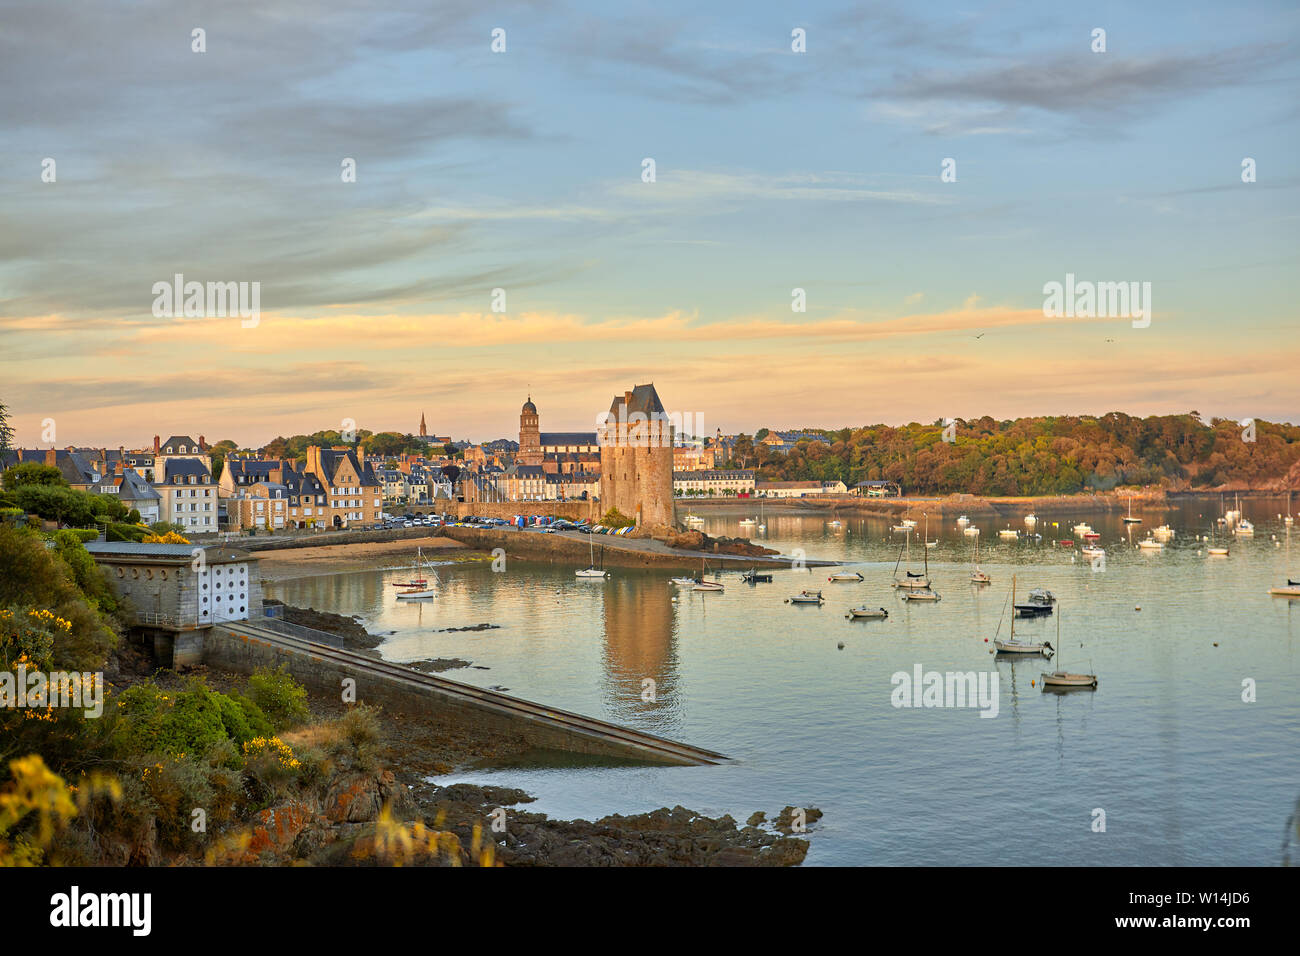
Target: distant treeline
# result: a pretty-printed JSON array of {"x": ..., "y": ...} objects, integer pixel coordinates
[{"x": 1043, "y": 456}]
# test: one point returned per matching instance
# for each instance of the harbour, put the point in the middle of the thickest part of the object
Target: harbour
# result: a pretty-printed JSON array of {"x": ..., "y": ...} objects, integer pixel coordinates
[{"x": 806, "y": 722}]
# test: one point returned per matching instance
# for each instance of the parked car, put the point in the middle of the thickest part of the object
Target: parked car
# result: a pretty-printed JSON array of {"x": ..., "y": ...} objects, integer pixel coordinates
[{"x": 408, "y": 524}]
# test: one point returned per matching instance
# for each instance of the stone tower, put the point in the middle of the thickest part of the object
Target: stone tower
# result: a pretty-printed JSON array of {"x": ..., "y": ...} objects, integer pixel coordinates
[
  {"x": 636, "y": 458},
  {"x": 530, "y": 435},
  {"x": 424, "y": 431}
]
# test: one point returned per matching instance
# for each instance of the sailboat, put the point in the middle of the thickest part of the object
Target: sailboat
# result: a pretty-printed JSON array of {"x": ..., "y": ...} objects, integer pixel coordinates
[
  {"x": 925, "y": 593},
  {"x": 978, "y": 576},
  {"x": 1216, "y": 549},
  {"x": 419, "y": 589},
  {"x": 1013, "y": 646},
  {"x": 762, "y": 523},
  {"x": 592, "y": 571},
  {"x": 1063, "y": 678},
  {"x": 1288, "y": 519},
  {"x": 1244, "y": 527},
  {"x": 703, "y": 585},
  {"x": 911, "y": 578},
  {"x": 1130, "y": 519}
]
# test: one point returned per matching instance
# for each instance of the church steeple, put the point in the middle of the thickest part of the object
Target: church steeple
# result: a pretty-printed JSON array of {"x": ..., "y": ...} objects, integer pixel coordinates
[{"x": 424, "y": 432}]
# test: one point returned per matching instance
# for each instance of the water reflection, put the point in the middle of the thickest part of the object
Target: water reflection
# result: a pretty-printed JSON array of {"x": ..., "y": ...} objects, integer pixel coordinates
[{"x": 639, "y": 631}]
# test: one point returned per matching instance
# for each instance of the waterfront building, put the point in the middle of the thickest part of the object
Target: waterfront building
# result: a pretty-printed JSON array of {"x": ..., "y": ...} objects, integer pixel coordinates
[{"x": 713, "y": 483}]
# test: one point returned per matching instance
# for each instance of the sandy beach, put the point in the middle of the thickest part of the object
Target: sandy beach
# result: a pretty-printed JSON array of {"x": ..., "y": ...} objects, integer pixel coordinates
[{"x": 279, "y": 565}]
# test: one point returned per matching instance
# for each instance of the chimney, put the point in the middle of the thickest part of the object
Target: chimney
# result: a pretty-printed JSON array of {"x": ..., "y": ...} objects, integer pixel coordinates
[
  {"x": 51, "y": 457},
  {"x": 203, "y": 445},
  {"x": 157, "y": 444},
  {"x": 313, "y": 462}
]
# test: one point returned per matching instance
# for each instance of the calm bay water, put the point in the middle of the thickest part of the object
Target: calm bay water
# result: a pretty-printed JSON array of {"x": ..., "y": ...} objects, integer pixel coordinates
[{"x": 1186, "y": 772}]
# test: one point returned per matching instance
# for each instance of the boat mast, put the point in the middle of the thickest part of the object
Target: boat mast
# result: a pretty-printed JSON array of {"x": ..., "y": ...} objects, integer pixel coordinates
[
  {"x": 926, "y": 549},
  {"x": 1013, "y": 608}
]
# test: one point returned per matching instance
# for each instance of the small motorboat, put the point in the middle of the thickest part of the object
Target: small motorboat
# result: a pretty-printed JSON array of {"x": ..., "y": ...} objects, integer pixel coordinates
[
  {"x": 1091, "y": 536},
  {"x": 1092, "y": 551},
  {"x": 971, "y": 531},
  {"x": 754, "y": 576},
  {"x": 908, "y": 523},
  {"x": 1289, "y": 590},
  {"x": 1150, "y": 544},
  {"x": 694, "y": 520},
  {"x": 1219, "y": 552},
  {"x": 1244, "y": 528},
  {"x": 898, "y": 528},
  {"x": 1031, "y": 520},
  {"x": 920, "y": 594},
  {"x": 868, "y": 613},
  {"x": 685, "y": 582},
  {"x": 1163, "y": 533},
  {"x": 747, "y": 522},
  {"x": 1066, "y": 542},
  {"x": 708, "y": 586},
  {"x": 1038, "y": 603},
  {"x": 963, "y": 521},
  {"x": 1082, "y": 528},
  {"x": 1008, "y": 533},
  {"x": 806, "y": 597},
  {"x": 846, "y": 577}
]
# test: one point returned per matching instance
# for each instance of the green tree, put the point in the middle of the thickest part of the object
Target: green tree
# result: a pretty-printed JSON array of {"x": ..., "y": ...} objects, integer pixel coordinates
[{"x": 32, "y": 473}]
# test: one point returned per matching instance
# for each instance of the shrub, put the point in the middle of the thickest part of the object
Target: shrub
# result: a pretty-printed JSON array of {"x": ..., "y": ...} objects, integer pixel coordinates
[
  {"x": 616, "y": 519},
  {"x": 280, "y": 697},
  {"x": 32, "y": 576}
]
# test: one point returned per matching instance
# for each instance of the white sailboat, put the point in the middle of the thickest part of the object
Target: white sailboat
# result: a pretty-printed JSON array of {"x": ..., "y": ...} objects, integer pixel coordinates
[
  {"x": 926, "y": 593},
  {"x": 1215, "y": 549},
  {"x": 1063, "y": 678},
  {"x": 910, "y": 578},
  {"x": 592, "y": 571},
  {"x": 1031, "y": 520},
  {"x": 417, "y": 591},
  {"x": 978, "y": 576},
  {"x": 1130, "y": 519},
  {"x": 1013, "y": 646}
]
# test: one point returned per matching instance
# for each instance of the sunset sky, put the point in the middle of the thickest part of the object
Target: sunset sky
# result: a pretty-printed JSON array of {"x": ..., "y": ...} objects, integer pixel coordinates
[{"x": 522, "y": 170}]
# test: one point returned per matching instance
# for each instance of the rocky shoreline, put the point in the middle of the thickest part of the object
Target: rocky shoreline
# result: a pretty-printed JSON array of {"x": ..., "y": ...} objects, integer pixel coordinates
[{"x": 346, "y": 829}]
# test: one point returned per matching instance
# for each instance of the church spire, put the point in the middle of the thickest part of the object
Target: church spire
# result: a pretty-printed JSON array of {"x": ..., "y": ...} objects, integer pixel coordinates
[{"x": 424, "y": 431}]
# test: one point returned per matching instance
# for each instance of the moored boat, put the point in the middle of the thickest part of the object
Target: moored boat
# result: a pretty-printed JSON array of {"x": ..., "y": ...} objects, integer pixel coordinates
[
  {"x": 846, "y": 577},
  {"x": 806, "y": 597},
  {"x": 868, "y": 612}
]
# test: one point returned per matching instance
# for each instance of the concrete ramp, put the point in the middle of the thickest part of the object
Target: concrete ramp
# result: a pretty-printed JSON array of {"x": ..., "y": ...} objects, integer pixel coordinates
[{"x": 244, "y": 646}]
